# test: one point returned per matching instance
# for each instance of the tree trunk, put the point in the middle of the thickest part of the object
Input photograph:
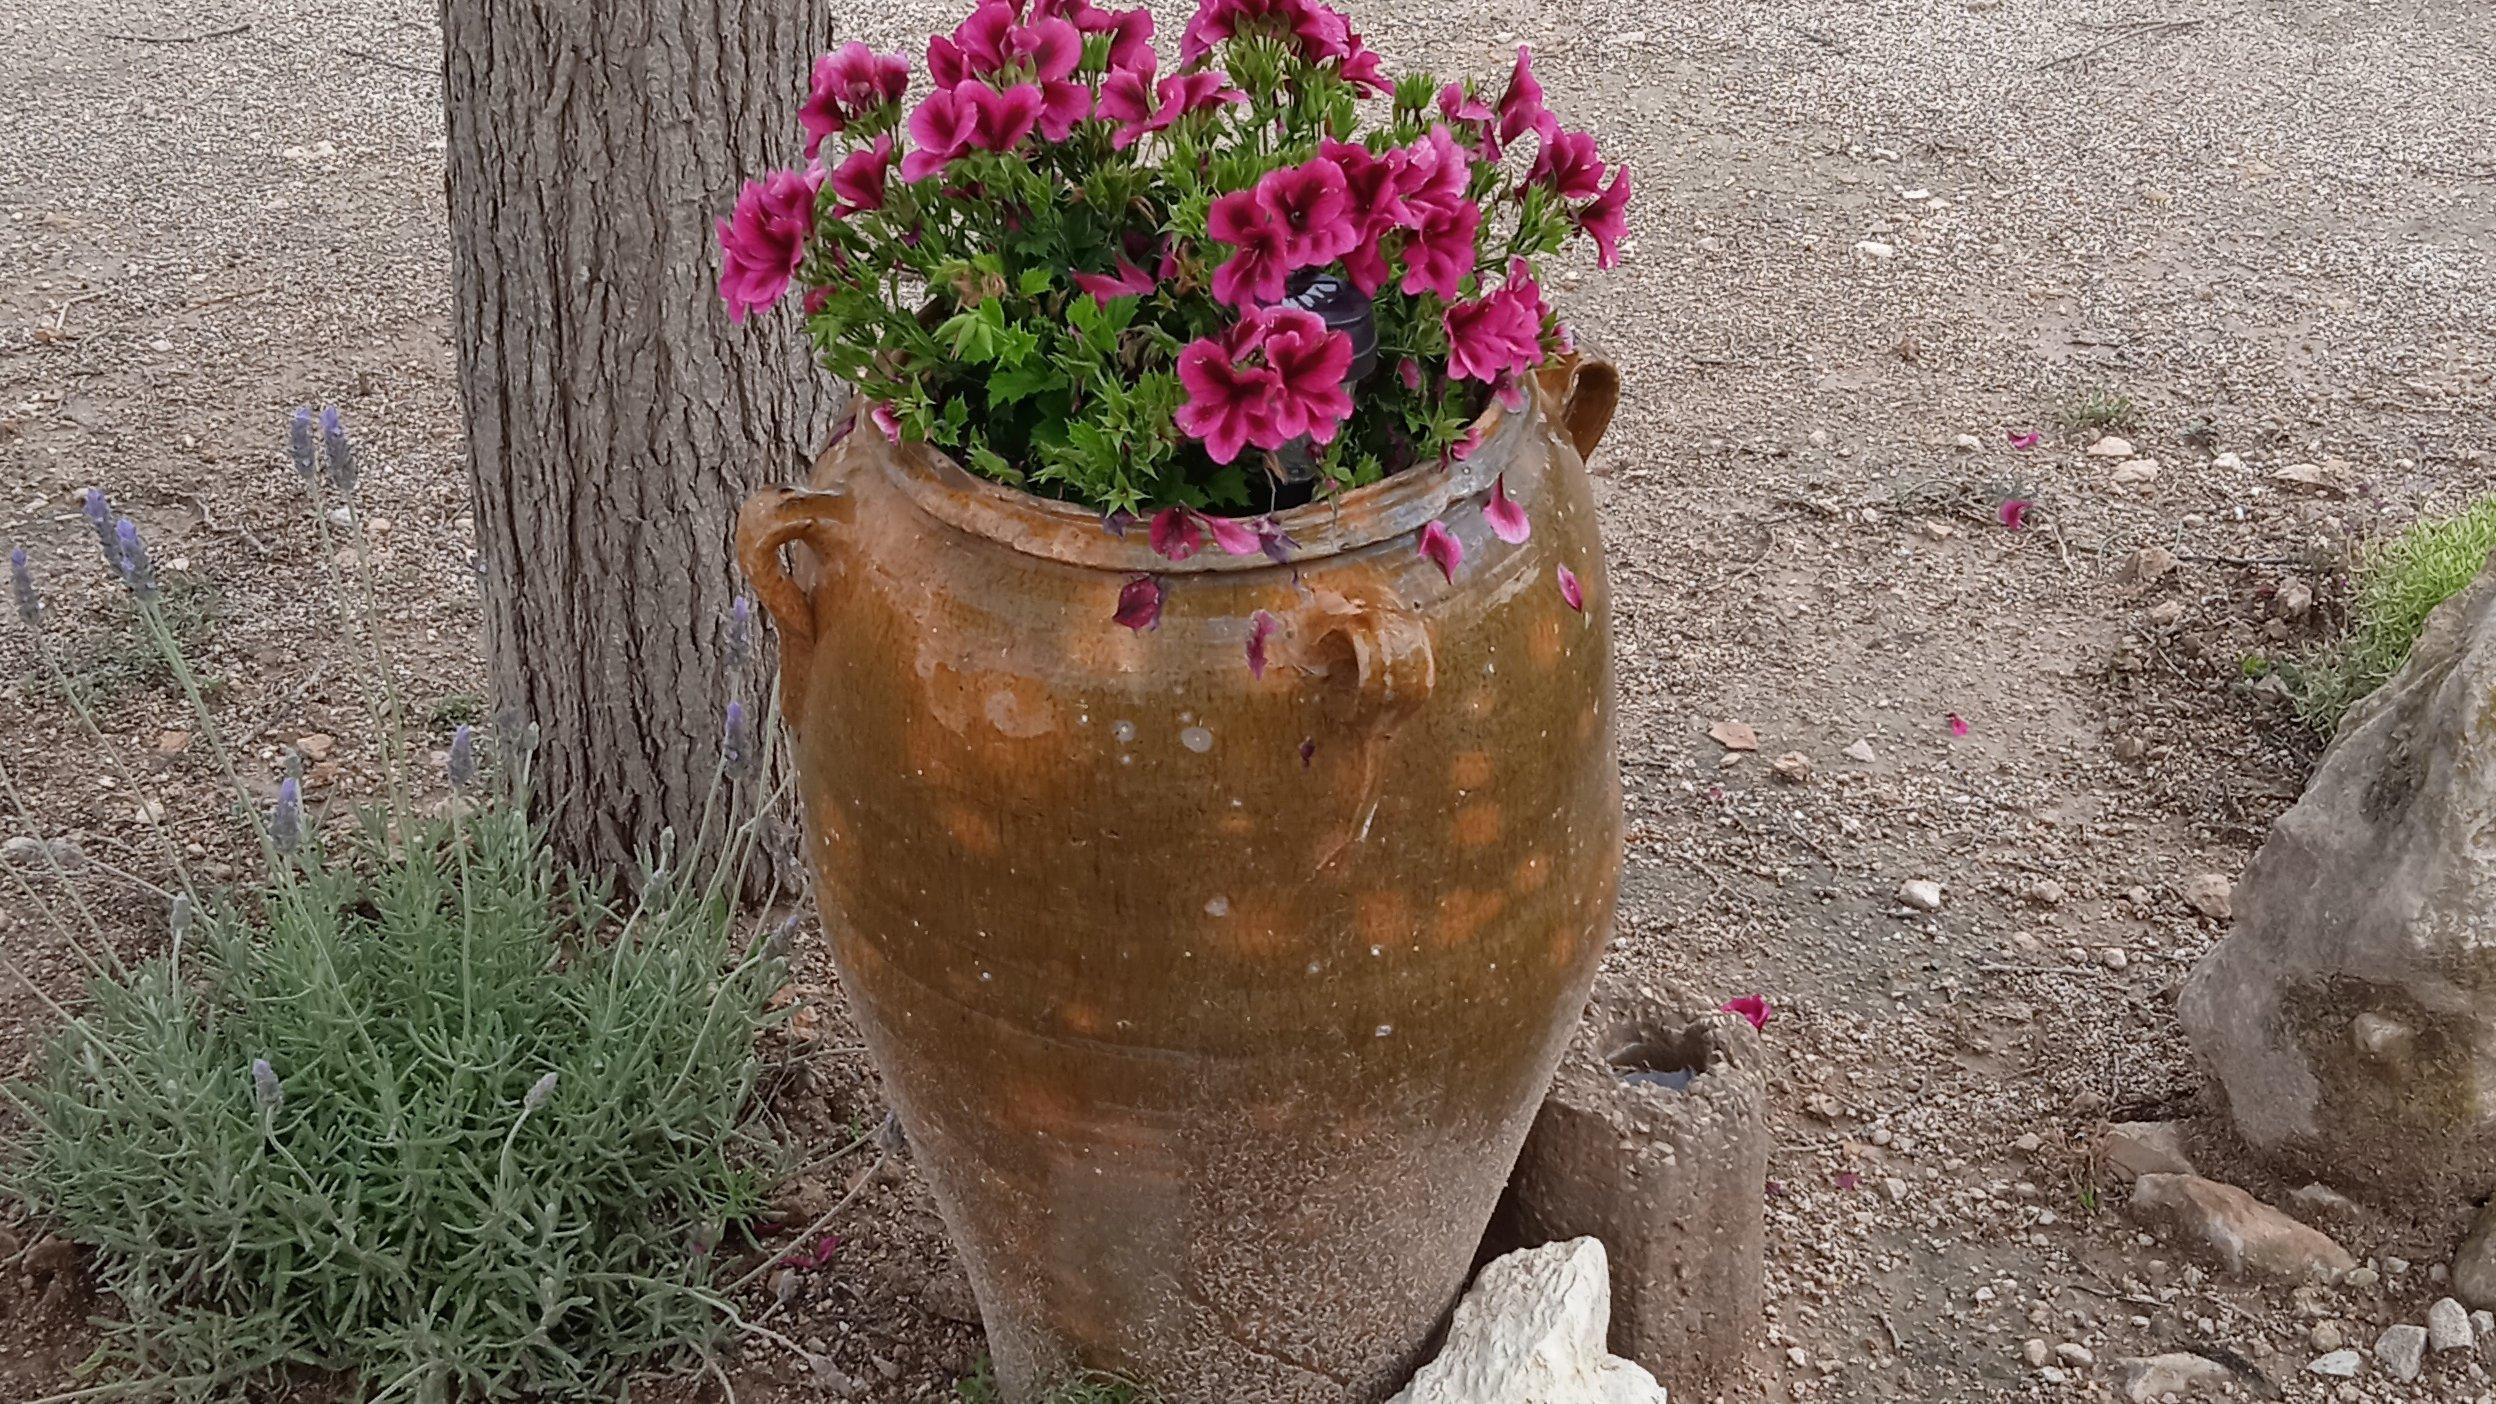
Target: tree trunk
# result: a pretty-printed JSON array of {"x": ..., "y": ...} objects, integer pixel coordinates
[{"x": 616, "y": 418}]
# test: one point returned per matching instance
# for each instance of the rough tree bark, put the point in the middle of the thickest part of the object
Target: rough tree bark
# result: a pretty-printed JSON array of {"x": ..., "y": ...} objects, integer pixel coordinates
[{"x": 615, "y": 416}]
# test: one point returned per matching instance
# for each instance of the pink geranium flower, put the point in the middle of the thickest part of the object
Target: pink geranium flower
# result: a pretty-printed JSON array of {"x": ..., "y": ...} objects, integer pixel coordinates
[
  {"x": 1606, "y": 220},
  {"x": 848, "y": 84},
  {"x": 2014, "y": 513},
  {"x": 763, "y": 241},
  {"x": 1494, "y": 335},
  {"x": 1312, "y": 203},
  {"x": 1124, "y": 101},
  {"x": 1435, "y": 171},
  {"x": 1363, "y": 69},
  {"x": 1458, "y": 104},
  {"x": 1260, "y": 268},
  {"x": 1521, "y": 108},
  {"x": 858, "y": 182},
  {"x": 1568, "y": 164},
  {"x": 1308, "y": 362},
  {"x": 941, "y": 129},
  {"x": 1002, "y": 119},
  {"x": 886, "y": 423},
  {"x": 1439, "y": 250},
  {"x": 1227, "y": 404}
]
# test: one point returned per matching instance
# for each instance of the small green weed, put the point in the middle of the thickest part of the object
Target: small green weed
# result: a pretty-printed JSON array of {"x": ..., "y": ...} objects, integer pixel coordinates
[
  {"x": 2399, "y": 582},
  {"x": 2096, "y": 410},
  {"x": 454, "y": 710},
  {"x": 124, "y": 659}
]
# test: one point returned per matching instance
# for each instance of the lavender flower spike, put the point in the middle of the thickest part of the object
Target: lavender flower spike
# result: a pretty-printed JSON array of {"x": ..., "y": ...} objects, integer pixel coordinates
[
  {"x": 334, "y": 448},
  {"x": 265, "y": 1088},
  {"x": 22, "y": 585},
  {"x": 286, "y": 819},
  {"x": 736, "y": 754},
  {"x": 299, "y": 442},
  {"x": 741, "y": 633},
  {"x": 463, "y": 766},
  {"x": 98, "y": 511},
  {"x": 131, "y": 559},
  {"x": 538, "y": 1092}
]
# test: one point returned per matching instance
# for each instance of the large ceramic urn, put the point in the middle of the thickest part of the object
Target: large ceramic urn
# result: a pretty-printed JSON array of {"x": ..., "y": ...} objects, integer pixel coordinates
[{"x": 1216, "y": 985}]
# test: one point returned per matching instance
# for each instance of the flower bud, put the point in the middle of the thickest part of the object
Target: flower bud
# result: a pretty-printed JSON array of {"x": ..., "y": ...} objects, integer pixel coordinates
[
  {"x": 463, "y": 766},
  {"x": 339, "y": 457},
  {"x": 286, "y": 819},
  {"x": 131, "y": 559},
  {"x": 299, "y": 442},
  {"x": 265, "y": 1088},
  {"x": 22, "y": 585}
]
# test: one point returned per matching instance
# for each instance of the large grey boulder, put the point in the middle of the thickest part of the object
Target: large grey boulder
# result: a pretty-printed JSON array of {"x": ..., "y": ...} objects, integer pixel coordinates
[
  {"x": 2350, "y": 1016},
  {"x": 1531, "y": 1332}
]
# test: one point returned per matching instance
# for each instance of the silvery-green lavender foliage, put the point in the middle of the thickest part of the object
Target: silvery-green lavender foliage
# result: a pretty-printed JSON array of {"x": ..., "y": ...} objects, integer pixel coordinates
[{"x": 422, "y": 1107}]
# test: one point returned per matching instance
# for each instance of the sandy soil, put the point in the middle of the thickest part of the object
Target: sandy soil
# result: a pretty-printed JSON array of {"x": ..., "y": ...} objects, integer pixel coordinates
[{"x": 1864, "y": 231}]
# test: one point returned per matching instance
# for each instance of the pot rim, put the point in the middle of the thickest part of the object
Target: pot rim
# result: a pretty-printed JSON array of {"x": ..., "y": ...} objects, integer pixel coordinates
[{"x": 1061, "y": 531}]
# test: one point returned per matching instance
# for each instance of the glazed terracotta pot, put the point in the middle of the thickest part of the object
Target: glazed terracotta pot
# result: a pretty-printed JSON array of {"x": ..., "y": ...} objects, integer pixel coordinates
[{"x": 1216, "y": 1004}]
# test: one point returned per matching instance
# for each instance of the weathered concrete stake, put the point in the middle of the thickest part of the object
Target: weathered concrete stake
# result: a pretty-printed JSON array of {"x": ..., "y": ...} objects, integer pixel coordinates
[{"x": 1653, "y": 1140}]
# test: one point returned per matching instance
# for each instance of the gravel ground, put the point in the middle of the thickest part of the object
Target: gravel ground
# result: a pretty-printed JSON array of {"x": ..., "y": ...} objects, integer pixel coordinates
[{"x": 1873, "y": 240}]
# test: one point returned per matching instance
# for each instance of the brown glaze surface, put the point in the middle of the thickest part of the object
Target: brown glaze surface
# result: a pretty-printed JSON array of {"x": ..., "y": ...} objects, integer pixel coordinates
[{"x": 1216, "y": 1006}]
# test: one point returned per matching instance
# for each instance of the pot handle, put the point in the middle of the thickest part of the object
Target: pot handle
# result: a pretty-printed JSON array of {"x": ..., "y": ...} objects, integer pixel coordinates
[
  {"x": 770, "y": 520},
  {"x": 1585, "y": 388},
  {"x": 1394, "y": 667}
]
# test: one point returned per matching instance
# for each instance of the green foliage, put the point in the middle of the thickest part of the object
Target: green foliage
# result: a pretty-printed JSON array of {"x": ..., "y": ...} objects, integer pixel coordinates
[
  {"x": 2399, "y": 583},
  {"x": 501, "y": 1134},
  {"x": 123, "y": 658},
  {"x": 454, "y": 709},
  {"x": 2097, "y": 410},
  {"x": 422, "y": 1108}
]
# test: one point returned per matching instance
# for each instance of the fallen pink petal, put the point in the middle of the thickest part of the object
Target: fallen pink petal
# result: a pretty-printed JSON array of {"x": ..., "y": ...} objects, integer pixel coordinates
[
  {"x": 1175, "y": 534},
  {"x": 2025, "y": 438},
  {"x": 1235, "y": 537},
  {"x": 1139, "y": 604},
  {"x": 1507, "y": 519},
  {"x": 1848, "y": 1179},
  {"x": 1570, "y": 590},
  {"x": 1752, "y": 1007},
  {"x": 1441, "y": 548},
  {"x": 1260, "y": 625},
  {"x": 2014, "y": 513},
  {"x": 1958, "y": 725}
]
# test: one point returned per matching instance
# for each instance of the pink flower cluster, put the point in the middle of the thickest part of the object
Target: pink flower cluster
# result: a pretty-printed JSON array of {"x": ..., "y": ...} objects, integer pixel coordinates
[
  {"x": 763, "y": 242},
  {"x": 1340, "y": 205},
  {"x": 1318, "y": 33},
  {"x": 848, "y": 85},
  {"x": 1273, "y": 377},
  {"x": 1499, "y": 334}
]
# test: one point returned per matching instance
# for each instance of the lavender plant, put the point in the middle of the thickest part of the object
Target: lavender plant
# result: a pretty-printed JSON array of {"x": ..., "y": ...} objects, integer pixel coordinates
[{"x": 420, "y": 1106}]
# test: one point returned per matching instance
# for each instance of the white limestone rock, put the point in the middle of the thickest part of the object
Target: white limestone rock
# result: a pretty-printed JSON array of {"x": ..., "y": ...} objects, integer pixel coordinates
[{"x": 1533, "y": 1329}]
